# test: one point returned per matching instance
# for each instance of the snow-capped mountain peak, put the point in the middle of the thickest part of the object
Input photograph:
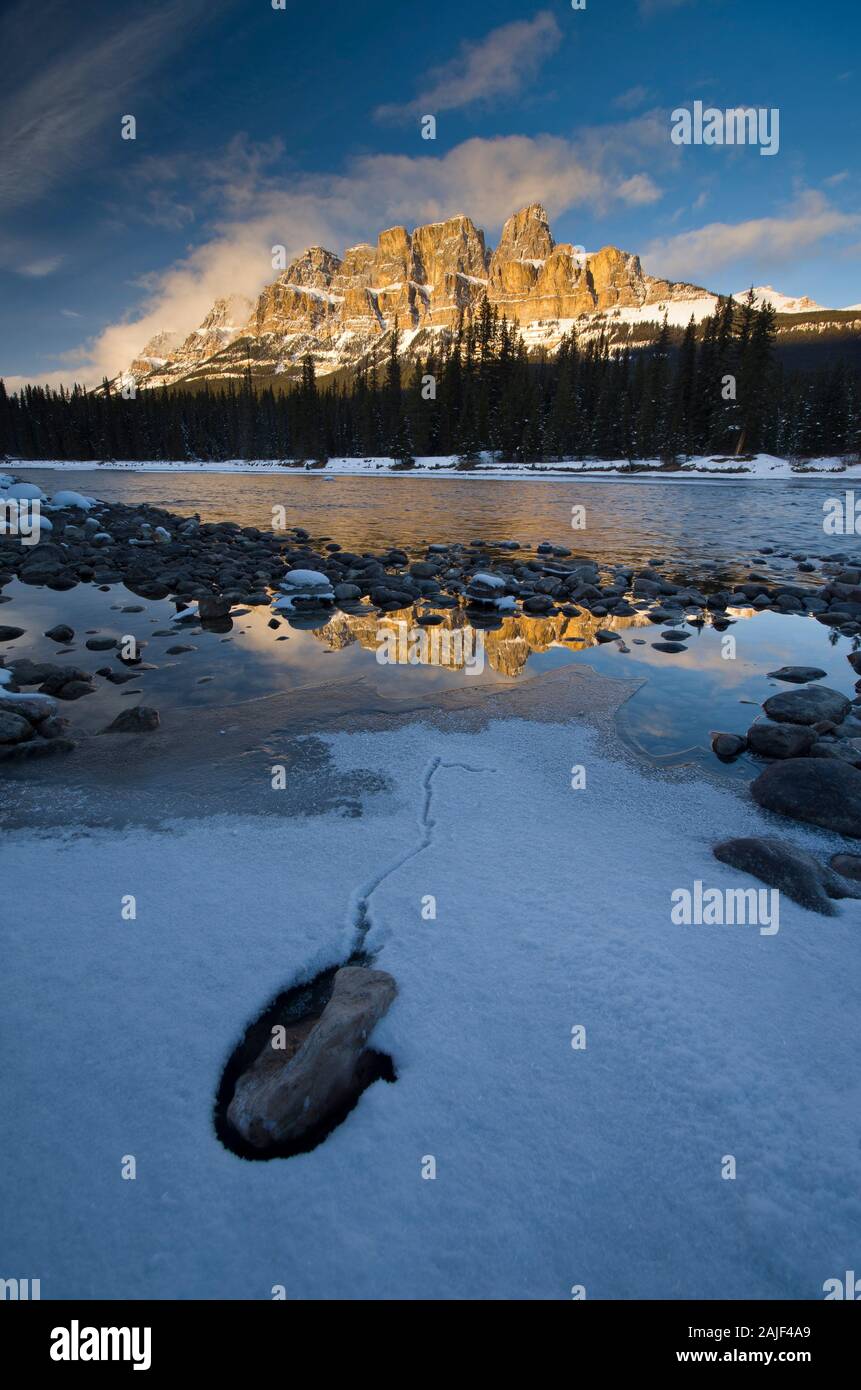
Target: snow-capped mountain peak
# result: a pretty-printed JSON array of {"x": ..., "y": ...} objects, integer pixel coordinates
[{"x": 781, "y": 303}]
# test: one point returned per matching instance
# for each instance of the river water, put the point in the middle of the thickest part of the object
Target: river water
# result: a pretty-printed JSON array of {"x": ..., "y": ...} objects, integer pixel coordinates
[
  {"x": 709, "y": 531},
  {"x": 699, "y": 523}
]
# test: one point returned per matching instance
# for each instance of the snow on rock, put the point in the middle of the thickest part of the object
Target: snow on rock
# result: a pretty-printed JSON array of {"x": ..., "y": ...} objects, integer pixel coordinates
[
  {"x": 305, "y": 579},
  {"x": 34, "y": 698},
  {"x": 24, "y": 492},
  {"x": 488, "y": 581},
  {"x": 67, "y": 498}
]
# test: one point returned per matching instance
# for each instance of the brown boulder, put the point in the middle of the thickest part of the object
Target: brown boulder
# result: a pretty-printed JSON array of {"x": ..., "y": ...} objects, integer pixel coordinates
[{"x": 288, "y": 1093}]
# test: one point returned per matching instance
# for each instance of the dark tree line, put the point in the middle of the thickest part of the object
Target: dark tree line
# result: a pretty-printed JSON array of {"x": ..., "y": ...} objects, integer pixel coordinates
[{"x": 715, "y": 388}]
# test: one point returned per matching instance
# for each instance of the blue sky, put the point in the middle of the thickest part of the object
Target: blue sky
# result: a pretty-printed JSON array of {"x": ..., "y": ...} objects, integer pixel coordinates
[{"x": 258, "y": 126}]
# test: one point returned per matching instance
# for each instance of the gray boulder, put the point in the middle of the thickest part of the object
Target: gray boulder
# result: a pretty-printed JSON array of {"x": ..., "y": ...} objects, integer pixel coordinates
[
  {"x": 728, "y": 746},
  {"x": 818, "y": 790},
  {"x": 34, "y": 748},
  {"x": 847, "y": 865},
  {"x": 31, "y": 707},
  {"x": 53, "y": 728},
  {"x": 139, "y": 719},
  {"x": 285, "y": 1094},
  {"x": 789, "y": 869},
  {"x": 14, "y": 728},
  {"x": 807, "y": 706},
  {"x": 27, "y": 672},
  {"x": 844, "y": 752},
  {"x": 214, "y": 607},
  {"x": 798, "y": 675},
  {"x": 780, "y": 740}
]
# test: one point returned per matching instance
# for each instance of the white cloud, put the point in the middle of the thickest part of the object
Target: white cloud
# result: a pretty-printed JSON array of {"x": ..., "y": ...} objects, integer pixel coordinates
[
  {"x": 639, "y": 190},
  {"x": 41, "y": 266},
  {"x": 499, "y": 65},
  {"x": 632, "y": 98},
  {"x": 761, "y": 241},
  {"x": 487, "y": 179}
]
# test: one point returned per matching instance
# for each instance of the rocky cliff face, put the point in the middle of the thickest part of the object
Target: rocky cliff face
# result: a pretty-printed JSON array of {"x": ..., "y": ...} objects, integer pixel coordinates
[
  {"x": 339, "y": 309},
  {"x": 506, "y": 649},
  {"x": 168, "y": 357}
]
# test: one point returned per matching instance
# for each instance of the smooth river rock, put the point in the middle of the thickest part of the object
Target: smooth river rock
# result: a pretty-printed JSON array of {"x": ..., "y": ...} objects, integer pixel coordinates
[
  {"x": 797, "y": 675},
  {"x": 818, "y": 790},
  {"x": 282, "y": 1096},
  {"x": 139, "y": 719},
  {"x": 14, "y": 728},
  {"x": 807, "y": 706},
  {"x": 788, "y": 868},
  {"x": 728, "y": 746},
  {"x": 848, "y": 865},
  {"x": 780, "y": 740}
]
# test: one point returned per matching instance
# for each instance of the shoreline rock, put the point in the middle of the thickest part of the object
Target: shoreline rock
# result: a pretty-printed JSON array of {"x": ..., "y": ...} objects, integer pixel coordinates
[
  {"x": 817, "y": 790},
  {"x": 291, "y": 1091},
  {"x": 139, "y": 719},
  {"x": 789, "y": 869}
]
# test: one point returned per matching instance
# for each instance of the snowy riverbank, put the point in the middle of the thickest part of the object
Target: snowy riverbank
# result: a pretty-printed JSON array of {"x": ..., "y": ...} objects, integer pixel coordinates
[
  {"x": 765, "y": 466},
  {"x": 555, "y": 1167}
]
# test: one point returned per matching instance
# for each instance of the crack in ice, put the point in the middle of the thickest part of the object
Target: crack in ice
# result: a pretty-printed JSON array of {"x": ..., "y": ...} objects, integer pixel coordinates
[{"x": 361, "y": 920}]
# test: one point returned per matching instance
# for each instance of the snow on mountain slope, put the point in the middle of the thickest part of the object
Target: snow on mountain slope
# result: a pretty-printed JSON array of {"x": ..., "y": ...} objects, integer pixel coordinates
[
  {"x": 342, "y": 311},
  {"x": 781, "y": 303},
  {"x": 338, "y": 310}
]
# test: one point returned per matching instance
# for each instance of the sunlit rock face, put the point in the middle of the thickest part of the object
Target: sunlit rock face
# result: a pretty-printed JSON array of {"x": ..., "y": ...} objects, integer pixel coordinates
[
  {"x": 400, "y": 640},
  {"x": 167, "y": 358},
  {"x": 341, "y": 310},
  {"x": 154, "y": 354}
]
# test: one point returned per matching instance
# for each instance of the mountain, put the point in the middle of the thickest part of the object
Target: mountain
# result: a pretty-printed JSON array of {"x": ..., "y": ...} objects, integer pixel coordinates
[
  {"x": 781, "y": 303},
  {"x": 343, "y": 310}
]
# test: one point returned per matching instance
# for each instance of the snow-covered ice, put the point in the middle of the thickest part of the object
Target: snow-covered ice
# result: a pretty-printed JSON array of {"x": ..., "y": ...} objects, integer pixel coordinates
[
  {"x": 709, "y": 466},
  {"x": 555, "y": 1166}
]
